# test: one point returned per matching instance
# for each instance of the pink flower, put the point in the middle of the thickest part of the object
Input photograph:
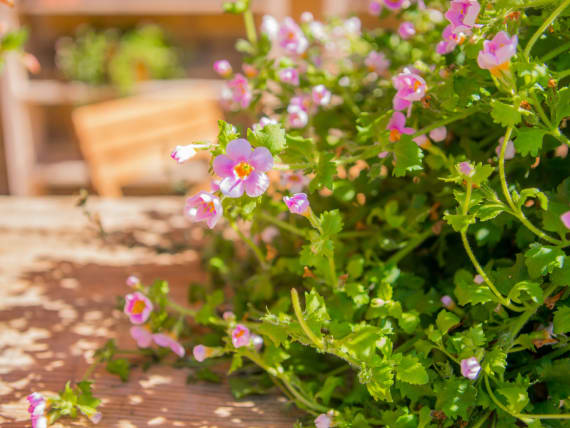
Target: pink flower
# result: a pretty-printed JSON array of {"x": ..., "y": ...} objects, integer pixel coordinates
[
  {"x": 242, "y": 168},
  {"x": 406, "y": 30},
  {"x": 142, "y": 336},
  {"x": 228, "y": 316},
  {"x": 249, "y": 70},
  {"x": 262, "y": 122},
  {"x": 138, "y": 307},
  {"x": 421, "y": 140},
  {"x": 96, "y": 417},
  {"x": 448, "y": 302},
  {"x": 183, "y": 153},
  {"x": 377, "y": 62},
  {"x": 465, "y": 168},
  {"x": 257, "y": 342},
  {"x": 291, "y": 37},
  {"x": 478, "y": 279},
  {"x": 241, "y": 91},
  {"x": 449, "y": 41},
  {"x": 470, "y": 368},
  {"x": 393, "y": 4},
  {"x": 307, "y": 17},
  {"x": 39, "y": 422},
  {"x": 496, "y": 53},
  {"x": 565, "y": 218},
  {"x": 397, "y": 127},
  {"x": 37, "y": 404},
  {"x": 297, "y": 116},
  {"x": 323, "y": 421},
  {"x": 297, "y": 204},
  {"x": 301, "y": 101},
  {"x": 463, "y": 13},
  {"x": 269, "y": 27},
  {"x": 166, "y": 341},
  {"x": 294, "y": 181},
  {"x": 510, "y": 151},
  {"x": 438, "y": 134},
  {"x": 269, "y": 234},
  {"x": 240, "y": 336},
  {"x": 201, "y": 352},
  {"x": 375, "y": 8},
  {"x": 223, "y": 68},
  {"x": 132, "y": 281},
  {"x": 204, "y": 206},
  {"x": 289, "y": 75},
  {"x": 410, "y": 87},
  {"x": 321, "y": 95}
]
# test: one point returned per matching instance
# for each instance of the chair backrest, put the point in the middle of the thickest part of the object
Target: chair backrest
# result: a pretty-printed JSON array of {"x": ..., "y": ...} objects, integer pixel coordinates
[{"x": 129, "y": 138}]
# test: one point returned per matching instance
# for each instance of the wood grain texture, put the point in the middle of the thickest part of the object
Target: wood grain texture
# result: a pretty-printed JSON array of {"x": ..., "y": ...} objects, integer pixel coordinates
[{"x": 58, "y": 285}]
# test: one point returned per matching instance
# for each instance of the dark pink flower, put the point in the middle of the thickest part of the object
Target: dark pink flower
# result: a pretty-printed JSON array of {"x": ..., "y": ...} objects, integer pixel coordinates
[
  {"x": 138, "y": 307},
  {"x": 375, "y": 8},
  {"x": 289, "y": 75},
  {"x": 410, "y": 86},
  {"x": 141, "y": 335},
  {"x": 240, "y": 336},
  {"x": 496, "y": 53},
  {"x": 406, "y": 30},
  {"x": 223, "y": 68},
  {"x": 393, "y": 4},
  {"x": 37, "y": 410},
  {"x": 204, "y": 206},
  {"x": 167, "y": 341},
  {"x": 243, "y": 169},
  {"x": 321, "y": 95},
  {"x": 463, "y": 13},
  {"x": 298, "y": 203},
  {"x": 241, "y": 91},
  {"x": 470, "y": 368},
  {"x": 291, "y": 37},
  {"x": 465, "y": 168},
  {"x": 377, "y": 62},
  {"x": 397, "y": 127},
  {"x": 565, "y": 218}
]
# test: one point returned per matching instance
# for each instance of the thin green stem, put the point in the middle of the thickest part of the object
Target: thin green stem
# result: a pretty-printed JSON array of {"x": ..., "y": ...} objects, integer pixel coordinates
[
  {"x": 91, "y": 369},
  {"x": 544, "y": 26},
  {"x": 521, "y": 416},
  {"x": 445, "y": 122},
  {"x": 282, "y": 224},
  {"x": 250, "y": 26},
  {"x": 332, "y": 271},
  {"x": 555, "y": 52},
  {"x": 563, "y": 74},
  {"x": 411, "y": 246},
  {"x": 537, "y": 105},
  {"x": 181, "y": 309},
  {"x": 483, "y": 419},
  {"x": 299, "y": 314},
  {"x": 251, "y": 245}
]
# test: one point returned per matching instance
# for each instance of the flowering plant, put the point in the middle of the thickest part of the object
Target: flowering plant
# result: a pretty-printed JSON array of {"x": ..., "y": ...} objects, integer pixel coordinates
[{"x": 413, "y": 184}]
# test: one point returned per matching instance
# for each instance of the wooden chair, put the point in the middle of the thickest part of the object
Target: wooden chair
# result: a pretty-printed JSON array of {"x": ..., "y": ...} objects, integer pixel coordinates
[{"x": 130, "y": 139}]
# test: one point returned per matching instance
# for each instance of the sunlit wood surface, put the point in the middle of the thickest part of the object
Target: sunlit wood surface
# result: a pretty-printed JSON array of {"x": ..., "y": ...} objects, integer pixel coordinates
[{"x": 58, "y": 288}]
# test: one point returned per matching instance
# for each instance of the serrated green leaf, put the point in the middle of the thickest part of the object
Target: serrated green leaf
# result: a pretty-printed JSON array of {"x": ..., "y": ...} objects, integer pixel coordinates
[
  {"x": 445, "y": 320},
  {"x": 120, "y": 367},
  {"x": 561, "y": 320},
  {"x": 410, "y": 370},
  {"x": 408, "y": 156},
  {"x": 529, "y": 141},
  {"x": 331, "y": 222},
  {"x": 505, "y": 114},
  {"x": 543, "y": 259},
  {"x": 271, "y": 136},
  {"x": 531, "y": 289}
]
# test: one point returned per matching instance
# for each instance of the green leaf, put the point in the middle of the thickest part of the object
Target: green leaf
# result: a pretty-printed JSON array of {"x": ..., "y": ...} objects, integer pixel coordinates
[
  {"x": 543, "y": 259},
  {"x": 277, "y": 334},
  {"x": 455, "y": 397},
  {"x": 532, "y": 193},
  {"x": 326, "y": 170},
  {"x": 378, "y": 381},
  {"x": 495, "y": 362},
  {"x": 562, "y": 108},
  {"x": 237, "y": 362},
  {"x": 408, "y": 156},
  {"x": 14, "y": 40},
  {"x": 410, "y": 370},
  {"x": 562, "y": 276},
  {"x": 325, "y": 393},
  {"x": 445, "y": 320},
  {"x": 528, "y": 288},
  {"x": 271, "y": 136},
  {"x": 120, "y": 367},
  {"x": 561, "y": 320},
  {"x": 331, "y": 223},
  {"x": 208, "y": 309},
  {"x": 459, "y": 222},
  {"x": 467, "y": 291},
  {"x": 516, "y": 396},
  {"x": 226, "y": 133},
  {"x": 504, "y": 114},
  {"x": 529, "y": 141},
  {"x": 297, "y": 150}
]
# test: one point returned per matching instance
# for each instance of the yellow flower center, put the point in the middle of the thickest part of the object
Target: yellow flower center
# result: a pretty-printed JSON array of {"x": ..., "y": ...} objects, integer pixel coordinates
[
  {"x": 210, "y": 206},
  {"x": 243, "y": 169},
  {"x": 138, "y": 307},
  {"x": 394, "y": 135},
  {"x": 496, "y": 71},
  {"x": 417, "y": 84}
]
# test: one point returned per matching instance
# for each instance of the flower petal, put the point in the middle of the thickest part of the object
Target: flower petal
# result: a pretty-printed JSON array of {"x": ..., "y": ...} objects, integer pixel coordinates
[
  {"x": 238, "y": 150},
  {"x": 232, "y": 187},
  {"x": 261, "y": 159},
  {"x": 223, "y": 166},
  {"x": 256, "y": 184}
]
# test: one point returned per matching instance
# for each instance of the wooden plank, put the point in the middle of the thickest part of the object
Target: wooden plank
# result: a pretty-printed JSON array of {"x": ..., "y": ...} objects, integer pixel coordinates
[{"x": 58, "y": 285}]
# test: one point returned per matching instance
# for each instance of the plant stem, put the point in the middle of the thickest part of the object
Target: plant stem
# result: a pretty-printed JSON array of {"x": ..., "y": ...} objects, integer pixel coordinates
[
  {"x": 540, "y": 110},
  {"x": 181, "y": 309},
  {"x": 483, "y": 419},
  {"x": 555, "y": 52},
  {"x": 299, "y": 314},
  {"x": 282, "y": 224},
  {"x": 250, "y": 26},
  {"x": 445, "y": 122},
  {"x": 521, "y": 416},
  {"x": 563, "y": 74},
  {"x": 544, "y": 26},
  {"x": 91, "y": 369},
  {"x": 412, "y": 245},
  {"x": 251, "y": 245}
]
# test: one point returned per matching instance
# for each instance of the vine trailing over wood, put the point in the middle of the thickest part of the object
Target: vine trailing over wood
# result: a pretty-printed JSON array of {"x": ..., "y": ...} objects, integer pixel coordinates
[{"x": 404, "y": 202}]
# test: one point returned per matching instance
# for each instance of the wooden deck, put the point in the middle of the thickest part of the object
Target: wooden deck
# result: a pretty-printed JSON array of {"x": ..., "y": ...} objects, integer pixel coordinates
[{"x": 58, "y": 285}]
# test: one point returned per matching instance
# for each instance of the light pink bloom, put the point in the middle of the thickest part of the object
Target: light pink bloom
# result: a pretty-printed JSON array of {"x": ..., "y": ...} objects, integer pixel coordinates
[
  {"x": 377, "y": 302},
  {"x": 167, "y": 341},
  {"x": 393, "y": 4},
  {"x": 37, "y": 404},
  {"x": 307, "y": 17},
  {"x": 269, "y": 27},
  {"x": 289, "y": 75},
  {"x": 448, "y": 302},
  {"x": 383, "y": 155},
  {"x": 297, "y": 116},
  {"x": 465, "y": 168},
  {"x": 352, "y": 26},
  {"x": 291, "y": 37},
  {"x": 297, "y": 204},
  {"x": 323, "y": 421},
  {"x": 138, "y": 307},
  {"x": 321, "y": 95},
  {"x": 470, "y": 368},
  {"x": 262, "y": 122},
  {"x": 301, "y": 101},
  {"x": 438, "y": 134},
  {"x": 397, "y": 127},
  {"x": 410, "y": 86},
  {"x": 375, "y": 8},
  {"x": 478, "y": 279},
  {"x": 269, "y": 234},
  {"x": 39, "y": 422},
  {"x": 204, "y": 206},
  {"x": 249, "y": 70},
  {"x": 142, "y": 336},
  {"x": 241, "y": 91},
  {"x": 243, "y": 169},
  {"x": 406, "y": 30},
  {"x": 510, "y": 151},
  {"x": 565, "y": 218},
  {"x": 257, "y": 342},
  {"x": 449, "y": 41},
  {"x": 463, "y": 13},
  {"x": 377, "y": 62},
  {"x": 228, "y": 316},
  {"x": 421, "y": 140},
  {"x": 240, "y": 336},
  {"x": 183, "y": 153},
  {"x": 295, "y": 181},
  {"x": 223, "y": 68},
  {"x": 132, "y": 281},
  {"x": 496, "y": 53},
  {"x": 96, "y": 417},
  {"x": 201, "y": 352}
]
